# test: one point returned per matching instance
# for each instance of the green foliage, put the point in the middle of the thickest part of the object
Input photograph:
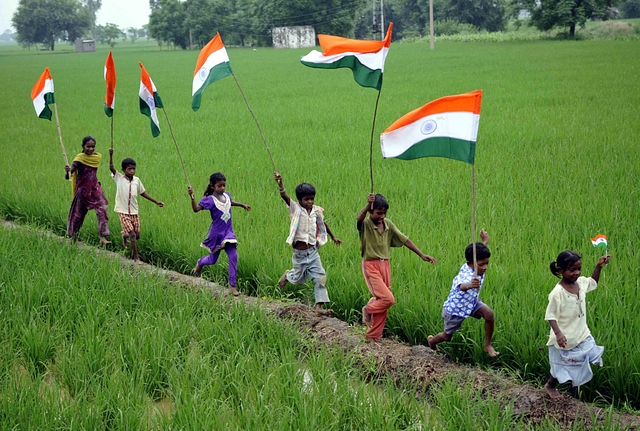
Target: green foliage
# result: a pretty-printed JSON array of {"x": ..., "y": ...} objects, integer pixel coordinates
[
  {"x": 167, "y": 22},
  {"x": 549, "y": 14},
  {"x": 629, "y": 9},
  {"x": 46, "y": 21},
  {"x": 612, "y": 30},
  {"x": 108, "y": 34},
  {"x": 450, "y": 27}
]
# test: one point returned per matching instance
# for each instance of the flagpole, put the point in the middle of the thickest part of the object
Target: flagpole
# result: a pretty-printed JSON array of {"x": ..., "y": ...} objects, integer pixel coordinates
[
  {"x": 176, "y": 143},
  {"x": 373, "y": 127},
  {"x": 473, "y": 218},
  {"x": 112, "y": 131},
  {"x": 256, "y": 120},
  {"x": 64, "y": 152}
]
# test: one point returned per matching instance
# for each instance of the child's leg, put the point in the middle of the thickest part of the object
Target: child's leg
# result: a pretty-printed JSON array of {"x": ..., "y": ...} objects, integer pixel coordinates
[
  {"x": 232, "y": 254},
  {"x": 377, "y": 275},
  {"x": 319, "y": 277},
  {"x": 77, "y": 213},
  {"x": 487, "y": 314},
  {"x": 437, "y": 339},
  {"x": 297, "y": 275},
  {"x": 451, "y": 325},
  {"x": 103, "y": 224},
  {"x": 134, "y": 246},
  {"x": 550, "y": 387},
  {"x": 209, "y": 259}
]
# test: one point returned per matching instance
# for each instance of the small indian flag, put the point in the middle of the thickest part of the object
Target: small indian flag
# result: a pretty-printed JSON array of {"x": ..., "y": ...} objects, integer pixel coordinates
[
  {"x": 364, "y": 57},
  {"x": 149, "y": 100},
  {"x": 42, "y": 95},
  {"x": 212, "y": 65},
  {"x": 110, "y": 79},
  {"x": 446, "y": 127},
  {"x": 599, "y": 241}
]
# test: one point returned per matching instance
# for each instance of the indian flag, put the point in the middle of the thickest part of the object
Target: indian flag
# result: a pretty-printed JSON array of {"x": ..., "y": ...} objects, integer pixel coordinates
[
  {"x": 42, "y": 95},
  {"x": 446, "y": 127},
  {"x": 212, "y": 65},
  {"x": 149, "y": 100},
  {"x": 110, "y": 79},
  {"x": 364, "y": 57},
  {"x": 599, "y": 241}
]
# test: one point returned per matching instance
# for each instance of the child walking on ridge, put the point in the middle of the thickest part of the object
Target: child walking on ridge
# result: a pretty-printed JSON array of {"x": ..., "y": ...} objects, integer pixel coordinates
[
  {"x": 87, "y": 192},
  {"x": 221, "y": 235},
  {"x": 377, "y": 235},
  {"x": 463, "y": 298},
  {"x": 307, "y": 232},
  {"x": 128, "y": 187},
  {"x": 571, "y": 346}
]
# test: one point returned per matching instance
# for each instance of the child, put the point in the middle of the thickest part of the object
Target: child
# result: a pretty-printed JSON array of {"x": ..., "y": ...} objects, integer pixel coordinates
[
  {"x": 87, "y": 192},
  {"x": 308, "y": 231},
  {"x": 221, "y": 235},
  {"x": 377, "y": 235},
  {"x": 463, "y": 298},
  {"x": 128, "y": 187},
  {"x": 571, "y": 346}
]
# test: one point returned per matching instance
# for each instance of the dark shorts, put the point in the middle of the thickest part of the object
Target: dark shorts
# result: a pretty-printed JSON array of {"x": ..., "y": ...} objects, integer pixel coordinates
[{"x": 453, "y": 323}]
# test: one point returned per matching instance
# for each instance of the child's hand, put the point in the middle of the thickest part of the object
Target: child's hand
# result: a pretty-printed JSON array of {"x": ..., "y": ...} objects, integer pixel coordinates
[
  {"x": 484, "y": 236},
  {"x": 561, "y": 339},
  {"x": 111, "y": 151},
  {"x": 67, "y": 168},
  {"x": 337, "y": 241},
  {"x": 246, "y": 207},
  {"x": 160, "y": 204},
  {"x": 371, "y": 198},
  {"x": 475, "y": 284},
  {"x": 278, "y": 179},
  {"x": 603, "y": 260},
  {"x": 428, "y": 258},
  {"x": 190, "y": 189}
]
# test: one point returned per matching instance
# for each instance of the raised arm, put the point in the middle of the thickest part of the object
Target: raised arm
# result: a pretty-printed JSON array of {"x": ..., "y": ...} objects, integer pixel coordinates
[
  {"x": 411, "y": 246},
  {"x": 283, "y": 192},
  {"x": 367, "y": 208},
  {"x": 601, "y": 263},
  {"x": 111, "y": 168},
  {"x": 194, "y": 206},
  {"x": 484, "y": 236},
  {"x": 146, "y": 196}
]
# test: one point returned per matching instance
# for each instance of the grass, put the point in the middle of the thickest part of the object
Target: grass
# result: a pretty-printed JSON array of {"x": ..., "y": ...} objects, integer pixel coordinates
[{"x": 555, "y": 165}]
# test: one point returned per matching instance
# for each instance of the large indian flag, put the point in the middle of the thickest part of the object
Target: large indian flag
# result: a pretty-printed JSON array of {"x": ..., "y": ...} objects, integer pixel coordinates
[
  {"x": 42, "y": 95},
  {"x": 212, "y": 65},
  {"x": 364, "y": 57},
  {"x": 446, "y": 127},
  {"x": 149, "y": 100},
  {"x": 110, "y": 79}
]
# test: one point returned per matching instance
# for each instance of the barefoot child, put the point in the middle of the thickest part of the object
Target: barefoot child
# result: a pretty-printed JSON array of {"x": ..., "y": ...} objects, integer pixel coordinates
[
  {"x": 221, "y": 235},
  {"x": 571, "y": 346},
  {"x": 128, "y": 187},
  {"x": 377, "y": 235},
  {"x": 307, "y": 232},
  {"x": 87, "y": 192},
  {"x": 463, "y": 298}
]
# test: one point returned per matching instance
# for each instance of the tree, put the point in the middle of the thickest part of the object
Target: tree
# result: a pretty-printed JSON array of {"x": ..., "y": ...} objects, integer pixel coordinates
[
  {"x": 133, "y": 34},
  {"x": 547, "y": 14},
  {"x": 93, "y": 6},
  {"x": 46, "y": 21},
  {"x": 109, "y": 34},
  {"x": 630, "y": 9},
  {"x": 167, "y": 22}
]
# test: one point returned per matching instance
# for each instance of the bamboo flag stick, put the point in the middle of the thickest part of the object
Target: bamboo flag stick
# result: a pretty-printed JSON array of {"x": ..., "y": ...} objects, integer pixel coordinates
[
  {"x": 473, "y": 218},
  {"x": 256, "y": 120},
  {"x": 64, "y": 152},
  {"x": 176, "y": 143},
  {"x": 112, "y": 131},
  {"x": 373, "y": 127}
]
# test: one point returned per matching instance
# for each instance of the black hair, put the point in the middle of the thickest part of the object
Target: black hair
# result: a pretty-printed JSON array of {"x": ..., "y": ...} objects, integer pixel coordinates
[
  {"x": 564, "y": 261},
  {"x": 380, "y": 203},
  {"x": 213, "y": 179},
  {"x": 87, "y": 139},
  {"x": 305, "y": 189},
  {"x": 482, "y": 252},
  {"x": 128, "y": 162}
]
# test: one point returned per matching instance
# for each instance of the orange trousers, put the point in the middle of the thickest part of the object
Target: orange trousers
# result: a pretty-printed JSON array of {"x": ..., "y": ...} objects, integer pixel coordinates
[{"x": 377, "y": 275}]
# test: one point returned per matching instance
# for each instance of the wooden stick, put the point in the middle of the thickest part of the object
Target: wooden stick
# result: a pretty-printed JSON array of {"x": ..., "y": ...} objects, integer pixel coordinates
[
  {"x": 112, "y": 131},
  {"x": 257, "y": 124},
  {"x": 373, "y": 127},
  {"x": 473, "y": 219},
  {"x": 178, "y": 149},
  {"x": 64, "y": 152}
]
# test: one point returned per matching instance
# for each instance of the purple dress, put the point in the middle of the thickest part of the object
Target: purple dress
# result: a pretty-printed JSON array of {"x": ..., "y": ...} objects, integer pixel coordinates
[
  {"x": 88, "y": 196},
  {"x": 221, "y": 229}
]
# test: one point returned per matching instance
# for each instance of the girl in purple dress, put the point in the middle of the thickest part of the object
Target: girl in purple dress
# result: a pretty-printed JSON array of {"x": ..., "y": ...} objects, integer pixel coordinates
[
  {"x": 221, "y": 235},
  {"x": 87, "y": 192}
]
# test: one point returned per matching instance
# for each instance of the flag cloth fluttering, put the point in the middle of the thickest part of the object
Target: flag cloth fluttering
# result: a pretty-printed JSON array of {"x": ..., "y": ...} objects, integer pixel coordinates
[
  {"x": 212, "y": 65},
  {"x": 364, "y": 57},
  {"x": 446, "y": 127},
  {"x": 110, "y": 79},
  {"x": 599, "y": 241},
  {"x": 42, "y": 95},
  {"x": 149, "y": 100}
]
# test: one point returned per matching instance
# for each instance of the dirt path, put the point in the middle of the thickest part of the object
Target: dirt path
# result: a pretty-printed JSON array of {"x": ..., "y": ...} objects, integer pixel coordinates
[{"x": 402, "y": 361}]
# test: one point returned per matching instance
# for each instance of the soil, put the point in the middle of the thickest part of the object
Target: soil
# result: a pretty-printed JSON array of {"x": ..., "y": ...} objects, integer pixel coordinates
[{"x": 404, "y": 362}]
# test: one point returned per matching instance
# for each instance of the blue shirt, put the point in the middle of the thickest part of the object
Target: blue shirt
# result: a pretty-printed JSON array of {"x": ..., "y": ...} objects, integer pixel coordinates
[{"x": 461, "y": 303}]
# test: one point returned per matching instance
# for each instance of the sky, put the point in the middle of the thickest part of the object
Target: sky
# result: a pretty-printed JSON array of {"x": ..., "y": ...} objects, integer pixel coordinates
[{"x": 123, "y": 13}]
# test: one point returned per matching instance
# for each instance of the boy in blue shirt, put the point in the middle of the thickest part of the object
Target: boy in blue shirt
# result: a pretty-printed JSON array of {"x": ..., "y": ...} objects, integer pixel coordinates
[{"x": 463, "y": 298}]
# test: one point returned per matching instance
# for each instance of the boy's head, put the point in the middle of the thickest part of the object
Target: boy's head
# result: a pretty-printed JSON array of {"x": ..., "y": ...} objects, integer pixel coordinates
[
  {"x": 306, "y": 194},
  {"x": 379, "y": 208},
  {"x": 129, "y": 167},
  {"x": 482, "y": 256}
]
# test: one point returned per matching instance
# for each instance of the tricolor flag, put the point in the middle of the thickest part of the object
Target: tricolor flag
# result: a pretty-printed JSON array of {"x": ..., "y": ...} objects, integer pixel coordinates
[
  {"x": 149, "y": 100},
  {"x": 446, "y": 127},
  {"x": 213, "y": 64},
  {"x": 42, "y": 95},
  {"x": 110, "y": 79},
  {"x": 364, "y": 57},
  {"x": 599, "y": 241}
]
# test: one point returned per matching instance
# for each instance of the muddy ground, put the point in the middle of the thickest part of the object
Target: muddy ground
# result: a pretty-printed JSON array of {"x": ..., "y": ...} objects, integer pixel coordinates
[{"x": 403, "y": 362}]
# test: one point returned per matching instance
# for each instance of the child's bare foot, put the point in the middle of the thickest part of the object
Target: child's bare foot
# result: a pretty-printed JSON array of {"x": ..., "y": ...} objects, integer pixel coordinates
[
  {"x": 197, "y": 270},
  {"x": 552, "y": 392},
  {"x": 104, "y": 241},
  {"x": 432, "y": 346},
  {"x": 491, "y": 351},
  {"x": 322, "y": 312},
  {"x": 283, "y": 280},
  {"x": 125, "y": 242},
  {"x": 366, "y": 317},
  {"x": 234, "y": 291}
]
